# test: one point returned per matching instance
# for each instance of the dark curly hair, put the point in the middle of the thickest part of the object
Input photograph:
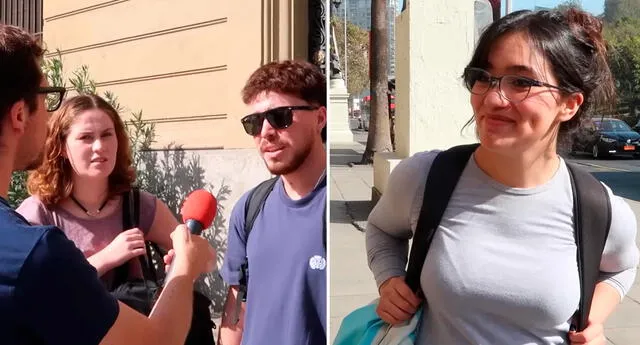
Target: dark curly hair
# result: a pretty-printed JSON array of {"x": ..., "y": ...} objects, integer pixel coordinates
[
  {"x": 572, "y": 42},
  {"x": 297, "y": 78}
]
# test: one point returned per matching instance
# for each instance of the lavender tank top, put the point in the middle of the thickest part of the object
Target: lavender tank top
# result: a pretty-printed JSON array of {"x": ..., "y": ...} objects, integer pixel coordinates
[{"x": 90, "y": 235}]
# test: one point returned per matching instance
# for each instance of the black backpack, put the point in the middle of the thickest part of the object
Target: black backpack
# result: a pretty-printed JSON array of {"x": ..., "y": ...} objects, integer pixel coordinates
[
  {"x": 591, "y": 209},
  {"x": 141, "y": 294},
  {"x": 253, "y": 206}
]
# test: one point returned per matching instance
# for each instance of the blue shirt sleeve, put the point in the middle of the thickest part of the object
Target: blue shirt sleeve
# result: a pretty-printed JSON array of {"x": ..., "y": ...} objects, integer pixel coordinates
[
  {"x": 60, "y": 296},
  {"x": 236, "y": 245}
]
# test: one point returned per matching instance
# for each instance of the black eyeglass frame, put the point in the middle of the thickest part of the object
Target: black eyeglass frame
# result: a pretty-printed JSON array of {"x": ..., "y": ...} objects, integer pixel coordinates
[
  {"x": 493, "y": 81},
  {"x": 53, "y": 89},
  {"x": 248, "y": 121}
]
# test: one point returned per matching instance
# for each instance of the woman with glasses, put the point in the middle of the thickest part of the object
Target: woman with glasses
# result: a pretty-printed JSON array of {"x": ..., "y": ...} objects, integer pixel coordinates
[
  {"x": 502, "y": 267},
  {"x": 80, "y": 187}
]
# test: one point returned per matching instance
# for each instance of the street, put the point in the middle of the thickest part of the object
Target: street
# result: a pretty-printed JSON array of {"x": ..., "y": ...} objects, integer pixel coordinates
[
  {"x": 352, "y": 283},
  {"x": 621, "y": 174}
]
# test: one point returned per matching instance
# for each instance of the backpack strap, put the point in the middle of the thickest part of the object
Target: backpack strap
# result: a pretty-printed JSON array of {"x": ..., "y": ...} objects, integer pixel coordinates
[
  {"x": 252, "y": 207},
  {"x": 445, "y": 171},
  {"x": 591, "y": 221},
  {"x": 131, "y": 219},
  {"x": 324, "y": 228},
  {"x": 255, "y": 203}
]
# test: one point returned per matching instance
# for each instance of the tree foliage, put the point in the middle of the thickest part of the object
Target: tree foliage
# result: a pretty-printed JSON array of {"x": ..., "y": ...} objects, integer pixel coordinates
[
  {"x": 623, "y": 37},
  {"x": 357, "y": 54},
  {"x": 614, "y": 10},
  {"x": 568, "y": 4}
]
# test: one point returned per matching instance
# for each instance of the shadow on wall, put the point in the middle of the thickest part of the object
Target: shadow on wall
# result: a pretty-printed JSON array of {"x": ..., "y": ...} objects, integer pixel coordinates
[{"x": 170, "y": 175}]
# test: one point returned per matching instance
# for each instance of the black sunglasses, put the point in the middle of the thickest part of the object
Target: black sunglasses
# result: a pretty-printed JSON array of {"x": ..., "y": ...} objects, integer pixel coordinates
[
  {"x": 278, "y": 118},
  {"x": 53, "y": 96}
]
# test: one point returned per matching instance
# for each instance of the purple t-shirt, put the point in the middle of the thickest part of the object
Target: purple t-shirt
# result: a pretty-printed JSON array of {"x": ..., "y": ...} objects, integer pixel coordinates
[
  {"x": 90, "y": 235},
  {"x": 286, "y": 299}
]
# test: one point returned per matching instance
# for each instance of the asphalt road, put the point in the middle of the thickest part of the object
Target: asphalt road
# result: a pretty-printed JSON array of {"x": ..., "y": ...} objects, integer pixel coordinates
[{"x": 621, "y": 174}]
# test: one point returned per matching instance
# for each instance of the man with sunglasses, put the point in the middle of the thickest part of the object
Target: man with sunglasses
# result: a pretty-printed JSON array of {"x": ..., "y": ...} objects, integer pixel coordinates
[
  {"x": 280, "y": 268},
  {"x": 49, "y": 293}
]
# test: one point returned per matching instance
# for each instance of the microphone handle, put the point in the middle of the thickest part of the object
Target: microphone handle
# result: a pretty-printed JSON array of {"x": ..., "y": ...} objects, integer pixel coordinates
[{"x": 196, "y": 228}]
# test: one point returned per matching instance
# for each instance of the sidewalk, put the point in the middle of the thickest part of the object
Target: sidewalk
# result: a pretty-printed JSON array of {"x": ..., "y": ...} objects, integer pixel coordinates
[{"x": 351, "y": 282}]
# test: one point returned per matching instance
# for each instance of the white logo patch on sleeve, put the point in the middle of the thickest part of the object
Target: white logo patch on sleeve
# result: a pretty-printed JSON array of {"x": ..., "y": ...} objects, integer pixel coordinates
[{"x": 317, "y": 262}]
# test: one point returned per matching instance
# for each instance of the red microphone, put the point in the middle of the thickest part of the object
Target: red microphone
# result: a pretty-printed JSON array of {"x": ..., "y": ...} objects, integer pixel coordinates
[{"x": 198, "y": 210}]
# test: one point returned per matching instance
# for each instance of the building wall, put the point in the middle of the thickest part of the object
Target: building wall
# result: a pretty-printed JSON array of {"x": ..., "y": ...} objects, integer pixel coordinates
[{"x": 182, "y": 65}]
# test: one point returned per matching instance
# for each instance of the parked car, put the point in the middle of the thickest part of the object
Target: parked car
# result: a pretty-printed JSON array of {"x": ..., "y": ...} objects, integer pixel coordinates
[{"x": 605, "y": 137}]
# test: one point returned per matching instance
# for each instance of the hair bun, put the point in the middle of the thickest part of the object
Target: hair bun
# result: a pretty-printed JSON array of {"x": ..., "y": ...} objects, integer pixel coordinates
[{"x": 587, "y": 26}]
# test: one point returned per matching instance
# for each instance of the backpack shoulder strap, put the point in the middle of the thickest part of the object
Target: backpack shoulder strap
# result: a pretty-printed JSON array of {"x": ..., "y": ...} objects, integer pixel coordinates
[
  {"x": 131, "y": 209},
  {"x": 252, "y": 207},
  {"x": 443, "y": 176},
  {"x": 121, "y": 273},
  {"x": 131, "y": 219},
  {"x": 591, "y": 221},
  {"x": 324, "y": 228},
  {"x": 255, "y": 202}
]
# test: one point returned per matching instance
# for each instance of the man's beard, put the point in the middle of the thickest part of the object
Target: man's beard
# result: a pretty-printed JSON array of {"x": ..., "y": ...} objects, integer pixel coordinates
[{"x": 299, "y": 157}]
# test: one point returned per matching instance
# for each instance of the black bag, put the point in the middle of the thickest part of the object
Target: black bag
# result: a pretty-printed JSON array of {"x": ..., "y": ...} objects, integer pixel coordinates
[
  {"x": 591, "y": 210},
  {"x": 141, "y": 294}
]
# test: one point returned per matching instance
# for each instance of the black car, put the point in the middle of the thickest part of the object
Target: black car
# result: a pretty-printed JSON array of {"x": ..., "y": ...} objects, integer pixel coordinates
[{"x": 605, "y": 137}]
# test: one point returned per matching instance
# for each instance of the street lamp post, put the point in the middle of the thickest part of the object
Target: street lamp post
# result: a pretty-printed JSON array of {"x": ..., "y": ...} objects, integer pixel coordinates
[
  {"x": 339, "y": 96},
  {"x": 337, "y": 4},
  {"x": 346, "y": 61}
]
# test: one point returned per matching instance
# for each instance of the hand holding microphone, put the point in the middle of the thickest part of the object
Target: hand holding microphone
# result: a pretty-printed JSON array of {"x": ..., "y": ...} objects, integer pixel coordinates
[{"x": 193, "y": 255}]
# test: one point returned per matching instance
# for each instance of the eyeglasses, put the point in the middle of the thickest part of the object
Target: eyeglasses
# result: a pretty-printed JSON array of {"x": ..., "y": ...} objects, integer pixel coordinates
[
  {"x": 53, "y": 96},
  {"x": 278, "y": 118},
  {"x": 512, "y": 87}
]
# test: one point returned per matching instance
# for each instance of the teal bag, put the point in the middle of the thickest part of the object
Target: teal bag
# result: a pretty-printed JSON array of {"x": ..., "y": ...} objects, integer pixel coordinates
[{"x": 363, "y": 326}]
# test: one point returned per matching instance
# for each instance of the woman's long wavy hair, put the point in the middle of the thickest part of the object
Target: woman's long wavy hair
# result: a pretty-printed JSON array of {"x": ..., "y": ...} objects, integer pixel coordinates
[{"x": 52, "y": 182}]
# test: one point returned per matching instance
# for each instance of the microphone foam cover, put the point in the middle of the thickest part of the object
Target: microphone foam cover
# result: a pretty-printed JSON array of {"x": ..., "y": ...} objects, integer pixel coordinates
[{"x": 200, "y": 205}]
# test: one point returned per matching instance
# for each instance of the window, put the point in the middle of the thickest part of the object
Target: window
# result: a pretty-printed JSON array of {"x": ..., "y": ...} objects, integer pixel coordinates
[{"x": 26, "y": 14}]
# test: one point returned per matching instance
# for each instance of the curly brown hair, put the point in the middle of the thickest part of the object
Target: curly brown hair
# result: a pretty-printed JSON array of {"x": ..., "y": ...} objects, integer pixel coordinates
[
  {"x": 52, "y": 182},
  {"x": 297, "y": 78}
]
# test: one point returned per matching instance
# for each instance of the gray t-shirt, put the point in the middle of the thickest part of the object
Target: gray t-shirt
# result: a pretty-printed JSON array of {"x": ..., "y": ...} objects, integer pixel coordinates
[{"x": 502, "y": 266}]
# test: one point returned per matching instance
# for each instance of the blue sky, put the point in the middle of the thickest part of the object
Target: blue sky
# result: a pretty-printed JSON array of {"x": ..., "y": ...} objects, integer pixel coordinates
[{"x": 594, "y": 6}]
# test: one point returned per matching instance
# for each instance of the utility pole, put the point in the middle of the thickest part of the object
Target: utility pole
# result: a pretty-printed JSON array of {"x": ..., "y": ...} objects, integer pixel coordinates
[{"x": 346, "y": 69}]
